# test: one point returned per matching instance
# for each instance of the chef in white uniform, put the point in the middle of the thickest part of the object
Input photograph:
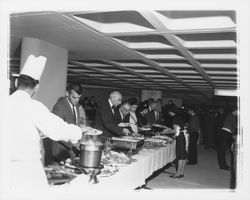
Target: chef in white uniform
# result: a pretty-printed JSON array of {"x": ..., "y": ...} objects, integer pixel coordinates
[{"x": 30, "y": 121}]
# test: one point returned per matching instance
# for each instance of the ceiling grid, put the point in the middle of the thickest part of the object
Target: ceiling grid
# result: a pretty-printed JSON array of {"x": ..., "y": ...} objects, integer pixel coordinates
[{"x": 186, "y": 54}]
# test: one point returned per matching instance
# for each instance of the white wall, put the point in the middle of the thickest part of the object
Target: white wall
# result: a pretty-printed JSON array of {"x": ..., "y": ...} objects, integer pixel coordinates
[
  {"x": 155, "y": 94},
  {"x": 53, "y": 79},
  {"x": 101, "y": 94},
  {"x": 177, "y": 101}
]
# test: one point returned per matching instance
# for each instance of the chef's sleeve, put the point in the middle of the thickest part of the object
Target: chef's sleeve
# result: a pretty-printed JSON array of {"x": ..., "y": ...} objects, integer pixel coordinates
[{"x": 53, "y": 126}]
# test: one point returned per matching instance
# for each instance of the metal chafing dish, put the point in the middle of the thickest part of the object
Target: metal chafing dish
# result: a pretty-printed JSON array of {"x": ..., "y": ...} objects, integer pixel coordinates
[
  {"x": 90, "y": 151},
  {"x": 91, "y": 148},
  {"x": 127, "y": 143}
]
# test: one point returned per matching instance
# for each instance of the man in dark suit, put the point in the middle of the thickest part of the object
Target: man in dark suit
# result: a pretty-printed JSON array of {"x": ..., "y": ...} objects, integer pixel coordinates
[
  {"x": 68, "y": 109},
  {"x": 105, "y": 117},
  {"x": 141, "y": 113},
  {"x": 226, "y": 137},
  {"x": 122, "y": 113},
  {"x": 193, "y": 131},
  {"x": 154, "y": 116}
]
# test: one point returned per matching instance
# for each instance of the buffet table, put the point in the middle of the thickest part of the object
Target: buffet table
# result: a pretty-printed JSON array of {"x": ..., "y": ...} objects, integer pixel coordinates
[{"x": 133, "y": 175}]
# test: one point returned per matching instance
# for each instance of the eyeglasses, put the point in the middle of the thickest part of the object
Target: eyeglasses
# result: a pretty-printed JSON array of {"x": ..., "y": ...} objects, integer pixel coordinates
[{"x": 125, "y": 109}]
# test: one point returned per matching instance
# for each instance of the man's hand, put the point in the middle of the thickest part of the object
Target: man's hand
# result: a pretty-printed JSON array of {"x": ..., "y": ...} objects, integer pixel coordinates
[
  {"x": 72, "y": 153},
  {"x": 126, "y": 131},
  {"x": 76, "y": 145}
]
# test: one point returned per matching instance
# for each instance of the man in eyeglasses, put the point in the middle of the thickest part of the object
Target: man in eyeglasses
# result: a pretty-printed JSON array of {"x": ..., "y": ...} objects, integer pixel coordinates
[{"x": 122, "y": 112}]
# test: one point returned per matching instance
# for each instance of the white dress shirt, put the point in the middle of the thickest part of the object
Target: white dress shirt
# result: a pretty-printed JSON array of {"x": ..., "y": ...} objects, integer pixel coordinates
[
  {"x": 133, "y": 121},
  {"x": 73, "y": 107},
  {"x": 111, "y": 105}
]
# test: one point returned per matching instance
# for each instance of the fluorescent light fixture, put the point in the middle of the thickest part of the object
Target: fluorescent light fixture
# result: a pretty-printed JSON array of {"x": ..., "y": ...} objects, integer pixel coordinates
[
  {"x": 155, "y": 76},
  {"x": 112, "y": 70},
  {"x": 146, "y": 71},
  {"x": 95, "y": 64},
  {"x": 221, "y": 72},
  {"x": 163, "y": 56},
  {"x": 222, "y": 92},
  {"x": 132, "y": 64},
  {"x": 194, "y": 23},
  {"x": 215, "y": 56},
  {"x": 208, "y": 65},
  {"x": 174, "y": 64},
  {"x": 183, "y": 72},
  {"x": 208, "y": 43},
  {"x": 145, "y": 45},
  {"x": 118, "y": 27}
]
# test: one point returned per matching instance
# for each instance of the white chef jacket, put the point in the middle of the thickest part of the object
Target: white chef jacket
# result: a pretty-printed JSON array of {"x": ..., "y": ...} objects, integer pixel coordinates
[{"x": 29, "y": 121}]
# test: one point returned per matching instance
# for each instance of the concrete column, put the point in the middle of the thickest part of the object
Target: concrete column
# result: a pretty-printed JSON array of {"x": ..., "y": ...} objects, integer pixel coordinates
[{"x": 54, "y": 77}]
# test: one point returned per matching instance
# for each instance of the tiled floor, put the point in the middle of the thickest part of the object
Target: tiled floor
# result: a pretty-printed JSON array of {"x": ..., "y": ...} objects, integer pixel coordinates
[{"x": 206, "y": 174}]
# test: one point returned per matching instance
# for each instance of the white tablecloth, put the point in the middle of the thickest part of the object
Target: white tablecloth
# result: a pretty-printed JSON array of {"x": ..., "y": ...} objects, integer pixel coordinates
[{"x": 135, "y": 174}]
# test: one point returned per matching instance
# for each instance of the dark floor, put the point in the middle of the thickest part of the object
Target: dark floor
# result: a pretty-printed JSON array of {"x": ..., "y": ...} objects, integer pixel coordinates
[{"x": 206, "y": 174}]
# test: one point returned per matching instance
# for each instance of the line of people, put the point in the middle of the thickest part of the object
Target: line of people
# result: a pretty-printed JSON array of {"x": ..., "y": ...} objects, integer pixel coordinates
[
  {"x": 64, "y": 126},
  {"x": 113, "y": 113}
]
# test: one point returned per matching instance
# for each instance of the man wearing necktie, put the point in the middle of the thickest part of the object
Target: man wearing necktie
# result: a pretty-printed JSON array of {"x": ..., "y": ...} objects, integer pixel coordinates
[
  {"x": 122, "y": 112},
  {"x": 152, "y": 115},
  {"x": 68, "y": 109},
  {"x": 105, "y": 117}
]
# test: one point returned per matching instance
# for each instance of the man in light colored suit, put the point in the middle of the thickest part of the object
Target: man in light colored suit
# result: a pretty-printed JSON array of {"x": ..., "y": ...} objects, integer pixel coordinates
[{"x": 67, "y": 108}]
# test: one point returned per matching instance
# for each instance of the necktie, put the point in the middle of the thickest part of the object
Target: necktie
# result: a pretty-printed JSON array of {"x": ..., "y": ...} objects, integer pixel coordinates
[
  {"x": 156, "y": 116},
  {"x": 74, "y": 114},
  {"x": 113, "y": 109}
]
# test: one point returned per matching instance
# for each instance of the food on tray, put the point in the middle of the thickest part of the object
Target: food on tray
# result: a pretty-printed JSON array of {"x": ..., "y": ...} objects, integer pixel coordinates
[
  {"x": 159, "y": 125},
  {"x": 93, "y": 131},
  {"x": 154, "y": 140},
  {"x": 125, "y": 139},
  {"x": 59, "y": 172},
  {"x": 129, "y": 143},
  {"x": 163, "y": 137},
  {"x": 116, "y": 159},
  {"x": 144, "y": 128},
  {"x": 152, "y": 143},
  {"x": 122, "y": 124},
  {"x": 108, "y": 171},
  {"x": 133, "y": 137}
]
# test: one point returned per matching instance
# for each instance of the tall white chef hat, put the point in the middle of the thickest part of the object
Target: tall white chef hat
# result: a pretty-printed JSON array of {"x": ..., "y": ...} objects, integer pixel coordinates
[{"x": 34, "y": 66}]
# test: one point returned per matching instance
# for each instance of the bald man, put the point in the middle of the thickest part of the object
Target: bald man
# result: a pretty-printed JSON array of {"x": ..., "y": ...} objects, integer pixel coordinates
[{"x": 105, "y": 119}]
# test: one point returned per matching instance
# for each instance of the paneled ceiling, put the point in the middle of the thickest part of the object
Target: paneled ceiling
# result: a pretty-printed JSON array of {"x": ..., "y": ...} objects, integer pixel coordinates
[{"x": 186, "y": 54}]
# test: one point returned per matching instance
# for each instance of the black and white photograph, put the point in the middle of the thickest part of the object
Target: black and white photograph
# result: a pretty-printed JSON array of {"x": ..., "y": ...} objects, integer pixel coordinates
[{"x": 132, "y": 101}]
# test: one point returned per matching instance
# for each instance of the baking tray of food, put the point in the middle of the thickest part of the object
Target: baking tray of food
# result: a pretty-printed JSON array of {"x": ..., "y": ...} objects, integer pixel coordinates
[{"x": 127, "y": 143}]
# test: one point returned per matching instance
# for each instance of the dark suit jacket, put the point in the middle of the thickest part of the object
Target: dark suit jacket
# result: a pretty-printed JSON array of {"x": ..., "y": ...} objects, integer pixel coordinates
[
  {"x": 125, "y": 120},
  {"x": 151, "y": 118},
  {"x": 194, "y": 124},
  {"x": 141, "y": 120},
  {"x": 63, "y": 109},
  {"x": 117, "y": 115},
  {"x": 62, "y": 150},
  {"x": 106, "y": 121}
]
